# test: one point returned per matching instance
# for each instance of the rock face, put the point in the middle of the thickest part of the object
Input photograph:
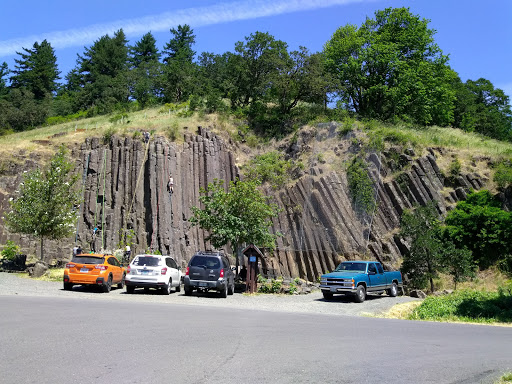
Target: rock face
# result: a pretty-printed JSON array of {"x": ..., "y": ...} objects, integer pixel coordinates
[{"x": 125, "y": 197}]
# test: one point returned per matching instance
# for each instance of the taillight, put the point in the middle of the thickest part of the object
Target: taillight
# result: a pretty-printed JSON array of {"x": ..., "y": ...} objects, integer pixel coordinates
[
  {"x": 164, "y": 271},
  {"x": 101, "y": 267},
  {"x": 129, "y": 269},
  {"x": 186, "y": 273},
  {"x": 70, "y": 265},
  {"x": 222, "y": 272}
]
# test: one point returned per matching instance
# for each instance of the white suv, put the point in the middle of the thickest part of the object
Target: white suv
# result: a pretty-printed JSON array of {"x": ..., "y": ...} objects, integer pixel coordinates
[{"x": 153, "y": 271}]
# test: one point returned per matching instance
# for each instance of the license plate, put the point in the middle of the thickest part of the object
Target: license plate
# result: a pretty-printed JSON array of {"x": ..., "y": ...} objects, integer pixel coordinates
[
  {"x": 144, "y": 272},
  {"x": 333, "y": 289},
  {"x": 85, "y": 270},
  {"x": 203, "y": 284}
]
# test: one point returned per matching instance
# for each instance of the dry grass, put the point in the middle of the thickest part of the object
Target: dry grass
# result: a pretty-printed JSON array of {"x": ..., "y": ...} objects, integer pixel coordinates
[{"x": 54, "y": 274}]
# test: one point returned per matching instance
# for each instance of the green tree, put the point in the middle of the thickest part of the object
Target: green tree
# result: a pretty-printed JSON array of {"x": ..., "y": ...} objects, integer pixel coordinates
[
  {"x": 36, "y": 70},
  {"x": 482, "y": 108},
  {"x": 458, "y": 262},
  {"x": 270, "y": 167},
  {"x": 480, "y": 224},
  {"x": 102, "y": 70},
  {"x": 145, "y": 70},
  {"x": 4, "y": 71},
  {"x": 239, "y": 215},
  {"x": 44, "y": 205},
  {"x": 424, "y": 261},
  {"x": 256, "y": 62},
  {"x": 179, "y": 68},
  {"x": 391, "y": 67},
  {"x": 19, "y": 110}
]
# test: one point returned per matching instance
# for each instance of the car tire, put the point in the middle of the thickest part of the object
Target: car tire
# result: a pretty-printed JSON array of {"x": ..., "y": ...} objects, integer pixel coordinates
[
  {"x": 188, "y": 291},
  {"x": 231, "y": 289},
  {"x": 360, "y": 294},
  {"x": 166, "y": 289},
  {"x": 327, "y": 295},
  {"x": 224, "y": 292},
  {"x": 68, "y": 286},
  {"x": 393, "y": 291},
  {"x": 108, "y": 285},
  {"x": 121, "y": 283},
  {"x": 130, "y": 289},
  {"x": 178, "y": 287}
]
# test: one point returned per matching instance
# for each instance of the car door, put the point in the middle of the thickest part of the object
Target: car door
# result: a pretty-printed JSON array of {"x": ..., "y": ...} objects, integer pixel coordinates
[
  {"x": 116, "y": 269},
  {"x": 376, "y": 279},
  {"x": 380, "y": 271},
  {"x": 173, "y": 270}
]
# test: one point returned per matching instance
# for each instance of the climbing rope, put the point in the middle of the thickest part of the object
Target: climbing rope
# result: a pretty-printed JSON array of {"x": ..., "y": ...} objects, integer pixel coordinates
[
  {"x": 84, "y": 176},
  {"x": 103, "y": 207},
  {"x": 155, "y": 218}
]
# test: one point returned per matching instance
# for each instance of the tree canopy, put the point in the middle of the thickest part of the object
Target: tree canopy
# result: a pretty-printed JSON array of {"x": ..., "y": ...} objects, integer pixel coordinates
[
  {"x": 45, "y": 203},
  {"x": 239, "y": 215}
]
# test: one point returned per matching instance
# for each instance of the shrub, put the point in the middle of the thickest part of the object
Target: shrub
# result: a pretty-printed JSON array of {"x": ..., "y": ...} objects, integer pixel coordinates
[
  {"x": 503, "y": 175},
  {"x": 360, "y": 185},
  {"x": 270, "y": 167},
  {"x": 108, "y": 134},
  {"x": 173, "y": 131},
  {"x": 119, "y": 117},
  {"x": 10, "y": 250}
]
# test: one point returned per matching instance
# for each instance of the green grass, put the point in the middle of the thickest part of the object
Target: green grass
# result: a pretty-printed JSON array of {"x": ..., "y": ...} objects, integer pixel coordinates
[
  {"x": 467, "y": 306},
  {"x": 506, "y": 378}
]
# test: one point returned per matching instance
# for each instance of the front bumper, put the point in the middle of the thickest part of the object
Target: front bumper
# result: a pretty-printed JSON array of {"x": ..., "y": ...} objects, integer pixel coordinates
[{"x": 338, "y": 289}]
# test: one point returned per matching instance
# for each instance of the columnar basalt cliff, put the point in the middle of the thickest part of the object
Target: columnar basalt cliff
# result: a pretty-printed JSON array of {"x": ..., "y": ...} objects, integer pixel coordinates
[{"x": 125, "y": 197}]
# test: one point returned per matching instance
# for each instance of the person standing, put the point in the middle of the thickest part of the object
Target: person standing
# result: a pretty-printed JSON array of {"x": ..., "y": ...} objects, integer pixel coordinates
[
  {"x": 170, "y": 185},
  {"x": 127, "y": 253}
]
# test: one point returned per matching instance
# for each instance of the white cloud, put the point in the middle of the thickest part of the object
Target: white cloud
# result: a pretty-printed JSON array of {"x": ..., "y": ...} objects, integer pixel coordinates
[{"x": 195, "y": 17}]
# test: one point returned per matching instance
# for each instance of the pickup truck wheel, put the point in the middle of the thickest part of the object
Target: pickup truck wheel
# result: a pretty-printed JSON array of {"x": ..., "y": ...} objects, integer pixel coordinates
[
  {"x": 360, "y": 294},
  {"x": 327, "y": 295},
  {"x": 393, "y": 291}
]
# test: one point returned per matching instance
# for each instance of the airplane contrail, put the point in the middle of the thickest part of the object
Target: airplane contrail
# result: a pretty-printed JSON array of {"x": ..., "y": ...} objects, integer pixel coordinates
[{"x": 195, "y": 17}]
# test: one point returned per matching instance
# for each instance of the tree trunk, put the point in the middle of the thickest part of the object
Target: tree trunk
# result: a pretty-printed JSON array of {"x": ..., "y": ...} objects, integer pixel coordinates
[{"x": 41, "y": 245}]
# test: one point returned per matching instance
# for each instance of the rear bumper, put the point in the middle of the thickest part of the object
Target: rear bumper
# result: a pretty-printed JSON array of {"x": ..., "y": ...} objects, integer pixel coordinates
[
  {"x": 134, "y": 281},
  {"x": 217, "y": 285},
  {"x": 74, "y": 278}
]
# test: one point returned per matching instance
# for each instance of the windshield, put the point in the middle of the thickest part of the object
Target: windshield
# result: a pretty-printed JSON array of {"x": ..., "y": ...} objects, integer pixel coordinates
[
  {"x": 146, "y": 260},
  {"x": 88, "y": 260},
  {"x": 351, "y": 266}
]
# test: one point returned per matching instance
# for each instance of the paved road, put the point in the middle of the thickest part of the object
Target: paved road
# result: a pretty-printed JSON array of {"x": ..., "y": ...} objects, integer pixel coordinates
[{"x": 70, "y": 340}]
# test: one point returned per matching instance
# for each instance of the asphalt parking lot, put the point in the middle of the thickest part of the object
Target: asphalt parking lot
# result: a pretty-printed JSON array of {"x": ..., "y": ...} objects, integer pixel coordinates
[{"x": 12, "y": 284}]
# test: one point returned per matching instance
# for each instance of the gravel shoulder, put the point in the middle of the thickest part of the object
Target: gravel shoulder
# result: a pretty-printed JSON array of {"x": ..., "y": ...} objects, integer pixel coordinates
[{"x": 11, "y": 285}]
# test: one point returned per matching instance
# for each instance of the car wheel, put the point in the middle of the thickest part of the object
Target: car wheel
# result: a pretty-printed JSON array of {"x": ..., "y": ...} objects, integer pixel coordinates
[
  {"x": 393, "y": 291},
  {"x": 231, "y": 289},
  {"x": 68, "y": 286},
  {"x": 108, "y": 285},
  {"x": 130, "y": 289},
  {"x": 188, "y": 291},
  {"x": 360, "y": 294},
  {"x": 121, "y": 283},
  {"x": 166, "y": 289},
  {"x": 327, "y": 295},
  {"x": 178, "y": 287},
  {"x": 224, "y": 292}
]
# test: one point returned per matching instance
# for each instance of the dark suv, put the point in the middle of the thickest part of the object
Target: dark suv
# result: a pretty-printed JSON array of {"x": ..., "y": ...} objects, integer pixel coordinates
[{"x": 208, "y": 271}]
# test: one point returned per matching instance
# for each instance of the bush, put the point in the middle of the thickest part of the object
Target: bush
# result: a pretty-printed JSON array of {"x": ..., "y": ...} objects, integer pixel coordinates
[
  {"x": 10, "y": 250},
  {"x": 272, "y": 286},
  {"x": 173, "y": 131},
  {"x": 108, "y": 134},
  {"x": 360, "y": 185},
  {"x": 270, "y": 167},
  {"x": 467, "y": 306},
  {"x": 503, "y": 175}
]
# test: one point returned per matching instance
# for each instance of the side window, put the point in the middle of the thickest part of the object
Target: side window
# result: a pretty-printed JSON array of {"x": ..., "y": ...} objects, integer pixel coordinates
[
  {"x": 371, "y": 268},
  {"x": 173, "y": 264},
  {"x": 379, "y": 268},
  {"x": 225, "y": 262},
  {"x": 112, "y": 261}
]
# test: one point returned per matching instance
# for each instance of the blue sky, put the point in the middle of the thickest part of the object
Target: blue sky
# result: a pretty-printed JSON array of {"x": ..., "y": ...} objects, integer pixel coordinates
[{"x": 476, "y": 34}]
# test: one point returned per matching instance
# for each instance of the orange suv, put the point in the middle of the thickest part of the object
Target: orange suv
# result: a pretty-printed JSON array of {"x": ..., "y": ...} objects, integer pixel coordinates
[{"x": 94, "y": 269}]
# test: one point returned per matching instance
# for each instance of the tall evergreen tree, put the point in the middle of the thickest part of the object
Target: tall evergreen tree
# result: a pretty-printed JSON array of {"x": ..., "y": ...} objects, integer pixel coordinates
[
  {"x": 36, "y": 70},
  {"x": 179, "y": 69},
  {"x": 4, "y": 71},
  {"x": 103, "y": 73},
  {"x": 145, "y": 70}
]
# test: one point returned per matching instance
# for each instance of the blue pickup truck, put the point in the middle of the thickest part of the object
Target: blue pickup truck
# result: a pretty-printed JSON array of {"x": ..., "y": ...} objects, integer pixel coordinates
[{"x": 359, "y": 277}]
